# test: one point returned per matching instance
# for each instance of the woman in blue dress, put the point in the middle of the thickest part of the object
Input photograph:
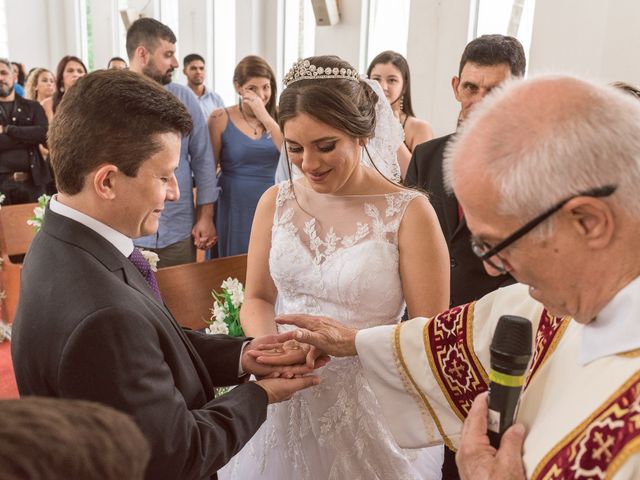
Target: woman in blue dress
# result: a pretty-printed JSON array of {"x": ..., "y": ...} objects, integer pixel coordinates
[{"x": 246, "y": 143}]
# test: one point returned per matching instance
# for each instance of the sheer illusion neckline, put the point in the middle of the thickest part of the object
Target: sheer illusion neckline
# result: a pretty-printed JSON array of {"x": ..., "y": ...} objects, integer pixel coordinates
[{"x": 300, "y": 183}]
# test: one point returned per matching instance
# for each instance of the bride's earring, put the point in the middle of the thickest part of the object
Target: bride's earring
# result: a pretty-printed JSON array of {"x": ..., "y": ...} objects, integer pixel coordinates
[{"x": 402, "y": 103}]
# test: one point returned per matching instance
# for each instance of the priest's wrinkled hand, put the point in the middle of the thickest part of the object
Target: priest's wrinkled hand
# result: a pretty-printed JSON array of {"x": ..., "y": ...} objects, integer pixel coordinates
[
  {"x": 332, "y": 337},
  {"x": 477, "y": 459}
]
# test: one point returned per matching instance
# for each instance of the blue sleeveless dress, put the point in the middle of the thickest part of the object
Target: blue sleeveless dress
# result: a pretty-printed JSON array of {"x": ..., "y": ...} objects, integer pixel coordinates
[{"x": 248, "y": 169}]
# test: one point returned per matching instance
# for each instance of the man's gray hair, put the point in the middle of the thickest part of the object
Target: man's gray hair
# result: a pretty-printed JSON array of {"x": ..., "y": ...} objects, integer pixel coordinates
[
  {"x": 535, "y": 160},
  {"x": 6, "y": 61}
]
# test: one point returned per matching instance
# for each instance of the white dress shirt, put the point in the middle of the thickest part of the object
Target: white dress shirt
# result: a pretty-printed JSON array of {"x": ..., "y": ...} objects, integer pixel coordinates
[{"x": 123, "y": 243}]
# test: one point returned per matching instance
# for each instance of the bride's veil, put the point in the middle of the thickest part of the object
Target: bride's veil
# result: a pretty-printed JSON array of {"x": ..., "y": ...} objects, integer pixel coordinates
[{"x": 382, "y": 147}]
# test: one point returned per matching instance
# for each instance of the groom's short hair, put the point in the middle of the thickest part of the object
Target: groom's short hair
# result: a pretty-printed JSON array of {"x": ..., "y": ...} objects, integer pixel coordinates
[{"x": 111, "y": 117}]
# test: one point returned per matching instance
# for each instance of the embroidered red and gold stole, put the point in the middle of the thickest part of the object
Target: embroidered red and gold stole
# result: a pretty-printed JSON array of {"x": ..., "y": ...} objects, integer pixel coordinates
[
  {"x": 448, "y": 342},
  {"x": 550, "y": 331},
  {"x": 599, "y": 446}
]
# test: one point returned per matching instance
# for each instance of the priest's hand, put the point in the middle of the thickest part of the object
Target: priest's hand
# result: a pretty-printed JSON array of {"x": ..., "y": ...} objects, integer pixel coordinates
[
  {"x": 326, "y": 334},
  {"x": 477, "y": 459}
]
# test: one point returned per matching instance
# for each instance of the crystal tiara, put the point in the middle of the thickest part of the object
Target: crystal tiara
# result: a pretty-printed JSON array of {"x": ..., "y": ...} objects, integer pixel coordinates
[{"x": 304, "y": 70}]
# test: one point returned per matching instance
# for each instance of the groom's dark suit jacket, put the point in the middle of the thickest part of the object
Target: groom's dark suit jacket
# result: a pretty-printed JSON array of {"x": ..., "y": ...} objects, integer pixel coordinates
[
  {"x": 469, "y": 279},
  {"x": 89, "y": 327}
]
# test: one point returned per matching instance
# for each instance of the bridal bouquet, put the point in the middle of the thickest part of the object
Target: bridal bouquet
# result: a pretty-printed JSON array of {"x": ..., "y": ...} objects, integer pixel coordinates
[
  {"x": 225, "y": 314},
  {"x": 38, "y": 212}
]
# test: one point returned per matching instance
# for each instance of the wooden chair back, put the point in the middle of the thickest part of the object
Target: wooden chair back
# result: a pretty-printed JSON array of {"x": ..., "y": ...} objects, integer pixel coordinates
[
  {"x": 15, "y": 238},
  {"x": 186, "y": 289},
  {"x": 15, "y": 234}
]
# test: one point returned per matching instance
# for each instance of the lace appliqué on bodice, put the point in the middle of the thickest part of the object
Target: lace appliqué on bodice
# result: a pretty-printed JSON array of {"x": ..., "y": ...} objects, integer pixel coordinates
[
  {"x": 338, "y": 256},
  {"x": 335, "y": 256}
]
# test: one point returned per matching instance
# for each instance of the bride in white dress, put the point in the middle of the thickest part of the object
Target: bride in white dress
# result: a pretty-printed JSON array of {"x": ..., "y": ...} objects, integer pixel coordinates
[{"x": 342, "y": 241}]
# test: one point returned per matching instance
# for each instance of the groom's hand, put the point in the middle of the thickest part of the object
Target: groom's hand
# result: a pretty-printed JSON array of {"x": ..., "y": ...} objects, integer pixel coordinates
[
  {"x": 281, "y": 389},
  {"x": 331, "y": 337}
]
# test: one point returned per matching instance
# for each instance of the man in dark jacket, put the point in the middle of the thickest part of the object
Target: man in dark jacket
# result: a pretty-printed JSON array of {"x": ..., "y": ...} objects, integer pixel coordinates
[{"x": 24, "y": 174}]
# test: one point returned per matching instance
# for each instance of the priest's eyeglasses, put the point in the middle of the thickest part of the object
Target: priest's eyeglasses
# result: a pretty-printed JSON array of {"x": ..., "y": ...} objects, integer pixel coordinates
[{"x": 489, "y": 254}]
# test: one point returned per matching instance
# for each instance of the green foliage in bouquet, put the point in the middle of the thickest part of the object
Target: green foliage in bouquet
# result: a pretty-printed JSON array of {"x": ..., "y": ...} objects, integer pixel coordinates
[
  {"x": 225, "y": 314},
  {"x": 38, "y": 212}
]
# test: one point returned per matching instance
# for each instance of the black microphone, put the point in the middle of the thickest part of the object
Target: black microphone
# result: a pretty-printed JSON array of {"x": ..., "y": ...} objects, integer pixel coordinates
[{"x": 510, "y": 355}]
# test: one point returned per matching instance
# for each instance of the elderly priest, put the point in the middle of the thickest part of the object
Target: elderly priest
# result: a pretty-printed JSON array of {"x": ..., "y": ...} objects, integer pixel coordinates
[{"x": 547, "y": 172}]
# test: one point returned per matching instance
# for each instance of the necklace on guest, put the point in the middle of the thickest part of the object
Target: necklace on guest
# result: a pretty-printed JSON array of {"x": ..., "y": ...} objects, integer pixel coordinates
[{"x": 254, "y": 127}]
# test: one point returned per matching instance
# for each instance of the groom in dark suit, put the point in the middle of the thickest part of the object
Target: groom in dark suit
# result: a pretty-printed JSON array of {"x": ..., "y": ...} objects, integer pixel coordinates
[
  {"x": 91, "y": 323},
  {"x": 486, "y": 62}
]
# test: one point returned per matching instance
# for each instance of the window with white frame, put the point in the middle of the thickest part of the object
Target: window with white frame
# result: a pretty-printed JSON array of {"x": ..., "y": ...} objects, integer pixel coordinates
[
  {"x": 388, "y": 27},
  {"x": 121, "y": 29},
  {"x": 224, "y": 49},
  {"x": 297, "y": 32},
  {"x": 4, "y": 37},
  {"x": 506, "y": 17},
  {"x": 88, "y": 35}
]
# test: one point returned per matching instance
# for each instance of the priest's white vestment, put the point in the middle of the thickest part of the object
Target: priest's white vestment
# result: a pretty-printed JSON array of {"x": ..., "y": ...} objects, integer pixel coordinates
[{"x": 581, "y": 399}]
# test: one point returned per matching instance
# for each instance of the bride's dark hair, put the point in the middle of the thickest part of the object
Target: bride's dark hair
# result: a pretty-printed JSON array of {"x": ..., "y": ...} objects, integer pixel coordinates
[{"x": 345, "y": 104}]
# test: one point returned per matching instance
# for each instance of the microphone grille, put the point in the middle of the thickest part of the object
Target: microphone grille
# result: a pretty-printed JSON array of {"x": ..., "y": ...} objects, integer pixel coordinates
[{"x": 512, "y": 337}]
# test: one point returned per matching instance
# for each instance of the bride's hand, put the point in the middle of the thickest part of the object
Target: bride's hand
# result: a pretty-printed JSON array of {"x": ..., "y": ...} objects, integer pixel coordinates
[
  {"x": 288, "y": 352},
  {"x": 291, "y": 362}
]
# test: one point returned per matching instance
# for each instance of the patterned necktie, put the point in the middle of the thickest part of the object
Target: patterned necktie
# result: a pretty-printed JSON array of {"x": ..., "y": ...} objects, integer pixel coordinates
[{"x": 144, "y": 268}]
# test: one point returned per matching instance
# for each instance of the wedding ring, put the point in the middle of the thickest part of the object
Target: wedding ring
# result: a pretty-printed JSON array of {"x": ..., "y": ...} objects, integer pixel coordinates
[{"x": 296, "y": 347}]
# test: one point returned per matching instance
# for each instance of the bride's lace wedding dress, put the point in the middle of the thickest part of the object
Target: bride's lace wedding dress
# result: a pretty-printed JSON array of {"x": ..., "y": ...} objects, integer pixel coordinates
[{"x": 335, "y": 256}]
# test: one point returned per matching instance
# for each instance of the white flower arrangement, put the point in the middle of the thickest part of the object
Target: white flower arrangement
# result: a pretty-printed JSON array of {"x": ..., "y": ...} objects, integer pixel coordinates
[
  {"x": 152, "y": 258},
  {"x": 38, "y": 212},
  {"x": 2, "y": 197},
  {"x": 225, "y": 314}
]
